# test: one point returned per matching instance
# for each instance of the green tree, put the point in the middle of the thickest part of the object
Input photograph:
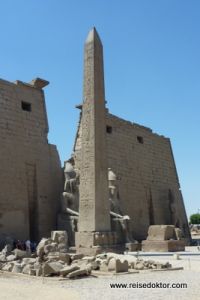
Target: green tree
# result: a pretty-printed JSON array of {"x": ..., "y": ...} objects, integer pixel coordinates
[{"x": 195, "y": 219}]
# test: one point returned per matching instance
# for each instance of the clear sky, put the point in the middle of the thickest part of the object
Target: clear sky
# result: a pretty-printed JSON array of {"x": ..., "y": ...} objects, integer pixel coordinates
[{"x": 152, "y": 67}]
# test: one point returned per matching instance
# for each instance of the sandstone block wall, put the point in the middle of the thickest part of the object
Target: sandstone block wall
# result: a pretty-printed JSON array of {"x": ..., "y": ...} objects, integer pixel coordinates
[
  {"x": 30, "y": 171},
  {"x": 148, "y": 183}
]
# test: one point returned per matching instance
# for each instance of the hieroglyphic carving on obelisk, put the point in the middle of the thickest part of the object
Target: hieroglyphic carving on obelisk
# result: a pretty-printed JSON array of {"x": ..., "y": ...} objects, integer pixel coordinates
[{"x": 94, "y": 205}]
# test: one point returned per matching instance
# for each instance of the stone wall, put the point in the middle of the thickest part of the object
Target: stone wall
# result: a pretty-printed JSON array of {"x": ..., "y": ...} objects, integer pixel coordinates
[
  {"x": 148, "y": 184},
  {"x": 30, "y": 170}
]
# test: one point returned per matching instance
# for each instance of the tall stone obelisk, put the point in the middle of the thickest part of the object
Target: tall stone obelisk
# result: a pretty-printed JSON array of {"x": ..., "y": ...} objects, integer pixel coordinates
[{"x": 94, "y": 210}]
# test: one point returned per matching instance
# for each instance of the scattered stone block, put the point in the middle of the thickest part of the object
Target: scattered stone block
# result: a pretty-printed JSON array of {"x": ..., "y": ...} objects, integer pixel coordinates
[
  {"x": 76, "y": 256},
  {"x": 2, "y": 258},
  {"x": 7, "y": 250},
  {"x": 8, "y": 267},
  {"x": 104, "y": 266},
  {"x": 28, "y": 260},
  {"x": 139, "y": 265},
  {"x": 52, "y": 268},
  {"x": 59, "y": 236},
  {"x": 41, "y": 245},
  {"x": 131, "y": 260},
  {"x": 65, "y": 257},
  {"x": 27, "y": 269},
  {"x": 94, "y": 265},
  {"x": 62, "y": 247},
  {"x": 50, "y": 248},
  {"x": 39, "y": 271},
  {"x": 10, "y": 257},
  {"x": 32, "y": 272},
  {"x": 117, "y": 266},
  {"x": 21, "y": 254},
  {"x": 161, "y": 232},
  {"x": 17, "y": 268},
  {"x": 80, "y": 272},
  {"x": 89, "y": 258},
  {"x": 66, "y": 270}
]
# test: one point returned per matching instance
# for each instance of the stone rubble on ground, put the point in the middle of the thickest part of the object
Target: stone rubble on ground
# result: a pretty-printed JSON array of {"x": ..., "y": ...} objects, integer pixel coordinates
[{"x": 52, "y": 258}]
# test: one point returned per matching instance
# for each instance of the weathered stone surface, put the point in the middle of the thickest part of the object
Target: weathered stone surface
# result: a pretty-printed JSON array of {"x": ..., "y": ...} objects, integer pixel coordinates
[
  {"x": 117, "y": 265},
  {"x": 17, "y": 268},
  {"x": 83, "y": 263},
  {"x": 62, "y": 247},
  {"x": 104, "y": 266},
  {"x": 76, "y": 256},
  {"x": 39, "y": 271},
  {"x": 32, "y": 272},
  {"x": 94, "y": 206},
  {"x": 94, "y": 215},
  {"x": 59, "y": 256},
  {"x": 131, "y": 260},
  {"x": 132, "y": 246},
  {"x": 65, "y": 257},
  {"x": 2, "y": 258},
  {"x": 10, "y": 257},
  {"x": 66, "y": 270},
  {"x": 139, "y": 265},
  {"x": 59, "y": 236},
  {"x": 29, "y": 260},
  {"x": 163, "y": 238},
  {"x": 50, "y": 248},
  {"x": 25, "y": 156},
  {"x": 6, "y": 250},
  {"x": 163, "y": 246},
  {"x": 178, "y": 233},
  {"x": 161, "y": 232},
  {"x": 27, "y": 269},
  {"x": 41, "y": 245},
  {"x": 8, "y": 267},
  {"x": 52, "y": 268},
  {"x": 19, "y": 254},
  {"x": 80, "y": 272}
]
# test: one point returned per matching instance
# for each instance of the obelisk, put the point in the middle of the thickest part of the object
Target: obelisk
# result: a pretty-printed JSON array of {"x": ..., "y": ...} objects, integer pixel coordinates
[{"x": 94, "y": 210}]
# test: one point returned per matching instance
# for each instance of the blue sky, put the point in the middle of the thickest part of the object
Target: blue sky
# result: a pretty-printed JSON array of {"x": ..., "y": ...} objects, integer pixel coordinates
[{"x": 152, "y": 67}]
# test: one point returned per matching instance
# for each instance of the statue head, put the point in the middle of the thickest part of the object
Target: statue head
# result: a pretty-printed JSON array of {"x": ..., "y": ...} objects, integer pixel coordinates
[
  {"x": 69, "y": 170},
  {"x": 112, "y": 178}
]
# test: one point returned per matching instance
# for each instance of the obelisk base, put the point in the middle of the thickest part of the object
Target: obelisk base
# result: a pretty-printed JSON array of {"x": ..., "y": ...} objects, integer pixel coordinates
[{"x": 92, "y": 243}]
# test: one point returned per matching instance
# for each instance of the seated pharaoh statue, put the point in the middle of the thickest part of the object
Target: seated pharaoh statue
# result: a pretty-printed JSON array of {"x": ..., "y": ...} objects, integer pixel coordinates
[
  {"x": 68, "y": 219},
  {"x": 70, "y": 195},
  {"x": 119, "y": 222}
]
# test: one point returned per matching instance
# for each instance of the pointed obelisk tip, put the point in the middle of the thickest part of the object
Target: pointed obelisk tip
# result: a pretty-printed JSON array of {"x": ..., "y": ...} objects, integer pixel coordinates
[{"x": 93, "y": 36}]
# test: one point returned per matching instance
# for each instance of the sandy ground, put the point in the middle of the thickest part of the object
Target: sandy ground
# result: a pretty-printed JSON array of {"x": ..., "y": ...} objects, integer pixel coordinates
[
  {"x": 20, "y": 287},
  {"x": 29, "y": 288}
]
